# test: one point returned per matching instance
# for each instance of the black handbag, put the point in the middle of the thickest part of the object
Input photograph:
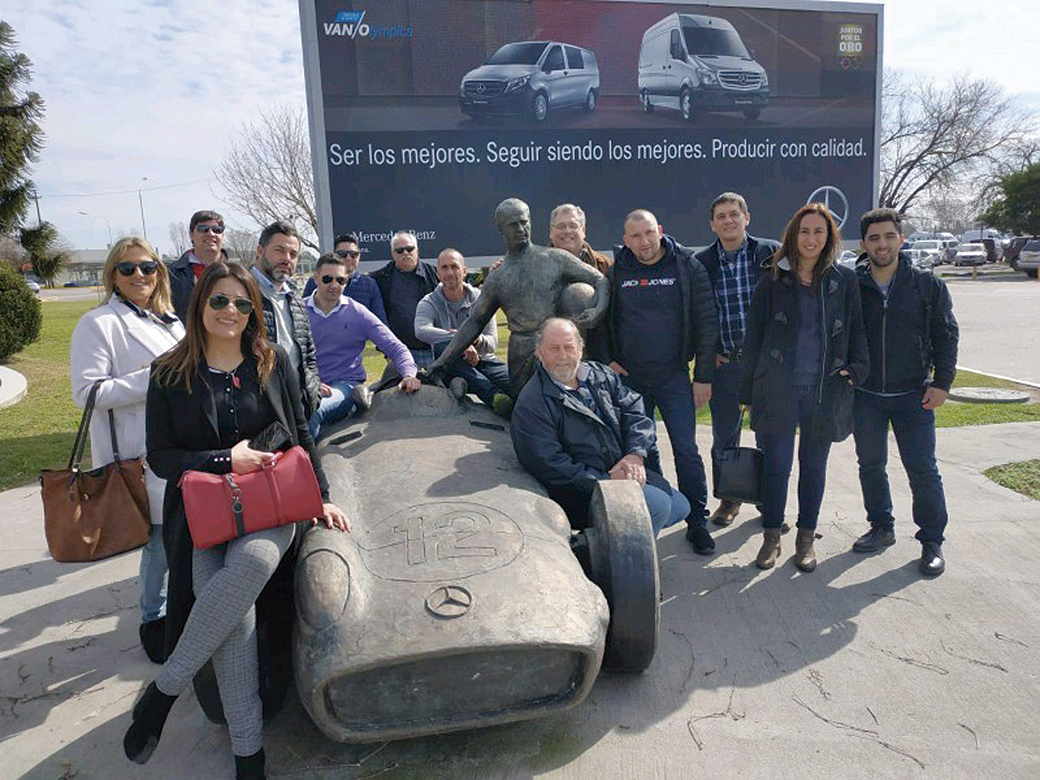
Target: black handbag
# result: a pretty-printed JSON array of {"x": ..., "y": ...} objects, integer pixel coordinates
[{"x": 738, "y": 472}]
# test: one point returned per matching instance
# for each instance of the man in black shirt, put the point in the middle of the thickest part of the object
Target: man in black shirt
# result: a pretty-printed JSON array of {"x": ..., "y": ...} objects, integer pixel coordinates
[{"x": 403, "y": 282}]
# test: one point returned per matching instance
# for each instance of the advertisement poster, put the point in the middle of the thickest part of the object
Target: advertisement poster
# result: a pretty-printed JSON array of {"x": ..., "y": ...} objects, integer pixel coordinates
[{"x": 427, "y": 113}]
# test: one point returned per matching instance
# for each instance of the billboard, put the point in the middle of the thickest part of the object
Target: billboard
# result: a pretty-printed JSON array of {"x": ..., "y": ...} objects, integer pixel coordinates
[{"x": 426, "y": 113}]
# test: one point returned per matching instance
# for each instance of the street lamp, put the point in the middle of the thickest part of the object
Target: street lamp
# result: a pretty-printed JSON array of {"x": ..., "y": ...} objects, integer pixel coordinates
[
  {"x": 96, "y": 216},
  {"x": 140, "y": 201}
]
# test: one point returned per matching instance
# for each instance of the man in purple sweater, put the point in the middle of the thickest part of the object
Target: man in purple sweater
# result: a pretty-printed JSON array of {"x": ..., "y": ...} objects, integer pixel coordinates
[{"x": 341, "y": 326}]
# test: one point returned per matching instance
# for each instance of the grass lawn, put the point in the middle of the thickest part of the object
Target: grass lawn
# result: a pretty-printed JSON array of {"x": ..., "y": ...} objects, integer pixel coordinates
[
  {"x": 1023, "y": 477},
  {"x": 37, "y": 433}
]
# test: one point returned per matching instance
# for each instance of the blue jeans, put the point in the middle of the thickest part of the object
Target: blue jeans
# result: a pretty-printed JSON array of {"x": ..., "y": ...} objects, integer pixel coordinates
[
  {"x": 778, "y": 457},
  {"x": 674, "y": 397},
  {"x": 914, "y": 428},
  {"x": 488, "y": 377},
  {"x": 666, "y": 509},
  {"x": 152, "y": 576},
  {"x": 332, "y": 408},
  {"x": 725, "y": 408}
]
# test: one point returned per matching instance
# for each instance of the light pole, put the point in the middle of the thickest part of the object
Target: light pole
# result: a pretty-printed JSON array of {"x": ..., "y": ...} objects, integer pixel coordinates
[
  {"x": 140, "y": 201},
  {"x": 96, "y": 216}
]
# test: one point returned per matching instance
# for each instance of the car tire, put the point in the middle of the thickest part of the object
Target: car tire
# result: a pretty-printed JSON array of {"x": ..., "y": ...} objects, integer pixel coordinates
[
  {"x": 752, "y": 113},
  {"x": 539, "y": 108},
  {"x": 623, "y": 563},
  {"x": 686, "y": 104},
  {"x": 644, "y": 98},
  {"x": 590, "y": 101}
]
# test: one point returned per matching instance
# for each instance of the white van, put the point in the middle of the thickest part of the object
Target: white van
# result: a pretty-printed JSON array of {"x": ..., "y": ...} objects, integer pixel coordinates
[{"x": 697, "y": 63}]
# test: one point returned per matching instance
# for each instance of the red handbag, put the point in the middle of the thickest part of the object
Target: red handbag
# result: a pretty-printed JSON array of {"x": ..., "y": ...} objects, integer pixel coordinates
[{"x": 221, "y": 507}]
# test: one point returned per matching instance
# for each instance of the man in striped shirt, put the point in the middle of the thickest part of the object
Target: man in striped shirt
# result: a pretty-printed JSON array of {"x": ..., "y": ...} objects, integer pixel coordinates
[{"x": 734, "y": 263}]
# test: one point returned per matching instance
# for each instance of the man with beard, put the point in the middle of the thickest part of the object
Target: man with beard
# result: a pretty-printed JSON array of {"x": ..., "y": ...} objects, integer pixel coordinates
[
  {"x": 575, "y": 423},
  {"x": 912, "y": 335},
  {"x": 361, "y": 287},
  {"x": 284, "y": 313}
]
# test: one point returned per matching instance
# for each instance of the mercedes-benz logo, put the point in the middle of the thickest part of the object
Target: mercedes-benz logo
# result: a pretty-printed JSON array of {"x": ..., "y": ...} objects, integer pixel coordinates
[
  {"x": 834, "y": 199},
  {"x": 743, "y": 78},
  {"x": 481, "y": 88},
  {"x": 449, "y": 601}
]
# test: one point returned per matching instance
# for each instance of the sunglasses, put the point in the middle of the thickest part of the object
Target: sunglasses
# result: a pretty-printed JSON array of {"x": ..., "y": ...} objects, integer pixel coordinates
[
  {"x": 214, "y": 229},
  {"x": 339, "y": 279},
  {"x": 219, "y": 301},
  {"x": 402, "y": 249},
  {"x": 351, "y": 253},
  {"x": 127, "y": 268}
]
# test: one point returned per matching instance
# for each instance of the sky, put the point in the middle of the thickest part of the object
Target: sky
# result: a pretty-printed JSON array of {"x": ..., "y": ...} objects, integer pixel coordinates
[{"x": 144, "y": 97}]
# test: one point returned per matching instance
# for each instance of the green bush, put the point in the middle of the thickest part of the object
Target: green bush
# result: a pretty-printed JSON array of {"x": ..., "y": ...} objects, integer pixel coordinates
[{"x": 20, "y": 314}]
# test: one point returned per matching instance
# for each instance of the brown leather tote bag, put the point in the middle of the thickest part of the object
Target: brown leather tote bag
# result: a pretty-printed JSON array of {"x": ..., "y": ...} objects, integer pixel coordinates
[{"x": 90, "y": 515}]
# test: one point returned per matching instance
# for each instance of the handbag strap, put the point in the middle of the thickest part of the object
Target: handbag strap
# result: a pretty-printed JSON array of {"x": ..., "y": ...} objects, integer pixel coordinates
[
  {"x": 740, "y": 424},
  {"x": 112, "y": 433},
  {"x": 84, "y": 428}
]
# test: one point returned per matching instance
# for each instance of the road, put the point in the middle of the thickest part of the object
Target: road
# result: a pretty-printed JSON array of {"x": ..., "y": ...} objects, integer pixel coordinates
[
  {"x": 67, "y": 294},
  {"x": 999, "y": 314}
]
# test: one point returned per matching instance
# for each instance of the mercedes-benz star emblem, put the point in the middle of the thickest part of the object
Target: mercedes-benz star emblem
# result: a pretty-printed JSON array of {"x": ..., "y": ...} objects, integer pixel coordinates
[
  {"x": 449, "y": 601},
  {"x": 834, "y": 199},
  {"x": 481, "y": 87}
]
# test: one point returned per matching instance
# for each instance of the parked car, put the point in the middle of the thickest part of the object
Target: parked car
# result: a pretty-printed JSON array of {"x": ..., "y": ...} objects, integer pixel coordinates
[
  {"x": 970, "y": 254},
  {"x": 33, "y": 285},
  {"x": 920, "y": 258},
  {"x": 1013, "y": 247},
  {"x": 994, "y": 248},
  {"x": 1029, "y": 258},
  {"x": 694, "y": 63},
  {"x": 531, "y": 78},
  {"x": 848, "y": 258},
  {"x": 933, "y": 248},
  {"x": 79, "y": 283}
]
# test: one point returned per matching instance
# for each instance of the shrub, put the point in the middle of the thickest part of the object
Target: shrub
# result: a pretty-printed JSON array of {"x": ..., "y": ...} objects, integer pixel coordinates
[{"x": 20, "y": 314}]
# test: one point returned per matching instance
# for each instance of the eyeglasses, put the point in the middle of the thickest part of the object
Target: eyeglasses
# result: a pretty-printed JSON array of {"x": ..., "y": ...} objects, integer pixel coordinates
[
  {"x": 219, "y": 302},
  {"x": 351, "y": 253},
  {"x": 127, "y": 268},
  {"x": 402, "y": 249},
  {"x": 339, "y": 279},
  {"x": 567, "y": 226},
  {"x": 215, "y": 229}
]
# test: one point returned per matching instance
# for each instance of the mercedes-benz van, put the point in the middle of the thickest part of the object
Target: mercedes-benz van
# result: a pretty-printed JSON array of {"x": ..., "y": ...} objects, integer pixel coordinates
[
  {"x": 698, "y": 63},
  {"x": 531, "y": 78}
]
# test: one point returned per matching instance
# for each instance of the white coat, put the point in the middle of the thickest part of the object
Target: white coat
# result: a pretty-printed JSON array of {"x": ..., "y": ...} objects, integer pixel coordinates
[{"x": 115, "y": 344}]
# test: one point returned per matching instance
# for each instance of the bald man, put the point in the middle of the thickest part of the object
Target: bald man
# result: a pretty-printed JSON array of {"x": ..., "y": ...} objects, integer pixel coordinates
[{"x": 661, "y": 316}]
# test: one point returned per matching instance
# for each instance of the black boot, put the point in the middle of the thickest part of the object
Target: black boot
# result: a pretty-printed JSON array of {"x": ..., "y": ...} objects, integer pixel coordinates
[
  {"x": 250, "y": 767},
  {"x": 149, "y": 717},
  {"x": 153, "y": 639}
]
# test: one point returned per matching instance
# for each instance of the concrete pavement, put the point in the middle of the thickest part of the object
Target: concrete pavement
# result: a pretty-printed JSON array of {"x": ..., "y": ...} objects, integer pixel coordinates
[{"x": 861, "y": 669}]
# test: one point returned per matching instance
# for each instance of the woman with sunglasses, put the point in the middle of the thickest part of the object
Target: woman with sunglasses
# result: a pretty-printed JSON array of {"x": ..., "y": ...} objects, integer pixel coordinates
[
  {"x": 115, "y": 344},
  {"x": 804, "y": 349},
  {"x": 219, "y": 388}
]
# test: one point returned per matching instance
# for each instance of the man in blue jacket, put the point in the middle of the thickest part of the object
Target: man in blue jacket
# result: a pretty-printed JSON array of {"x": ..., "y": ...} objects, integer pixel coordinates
[
  {"x": 575, "y": 423},
  {"x": 661, "y": 316},
  {"x": 734, "y": 263},
  {"x": 912, "y": 334}
]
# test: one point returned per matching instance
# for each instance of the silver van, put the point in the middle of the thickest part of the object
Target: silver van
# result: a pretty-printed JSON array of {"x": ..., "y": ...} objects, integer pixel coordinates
[
  {"x": 698, "y": 63},
  {"x": 531, "y": 78}
]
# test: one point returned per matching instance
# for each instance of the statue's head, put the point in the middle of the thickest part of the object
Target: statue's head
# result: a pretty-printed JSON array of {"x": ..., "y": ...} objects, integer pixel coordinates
[{"x": 514, "y": 223}]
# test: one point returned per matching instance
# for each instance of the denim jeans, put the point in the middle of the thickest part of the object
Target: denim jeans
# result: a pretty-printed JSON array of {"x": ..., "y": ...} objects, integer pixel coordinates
[
  {"x": 488, "y": 377},
  {"x": 666, "y": 509},
  {"x": 914, "y": 429},
  {"x": 333, "y": 408},
  {"x": 674, "y": 397},
  {"x": 778, "y": 458},
  {"x": 152, "y": 576},
  {"x": 725, "y": 408}
]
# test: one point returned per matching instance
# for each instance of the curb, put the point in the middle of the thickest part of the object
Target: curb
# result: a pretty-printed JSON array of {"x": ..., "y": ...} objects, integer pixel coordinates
[
  {"x": 999, "y": 376},
  {"x": 12, "y": 387}
]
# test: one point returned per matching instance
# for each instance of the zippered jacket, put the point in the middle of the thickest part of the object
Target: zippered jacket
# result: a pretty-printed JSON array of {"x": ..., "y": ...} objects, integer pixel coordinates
[
  {"x": 767, "y": 379},
  {"x": 912, "y": 333}
]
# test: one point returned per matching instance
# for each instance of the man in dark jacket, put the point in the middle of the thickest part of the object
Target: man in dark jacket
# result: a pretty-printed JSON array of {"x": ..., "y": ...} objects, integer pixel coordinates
[
  {"x": 575, "y": 423},
  {"x": 734, "y": 263},
  {"x": 912, "y": 334},
  {"x": 206, "y": 231},
  {"x": 403, "y": 282},
  {"x": 361, "y": 287},
  {"x": 661, "y": 316},
  {"x": 284, "y": 312}
]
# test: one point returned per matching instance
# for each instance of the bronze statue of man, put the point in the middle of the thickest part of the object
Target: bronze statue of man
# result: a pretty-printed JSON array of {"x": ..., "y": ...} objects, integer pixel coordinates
[{"x": 527, "y": 287}]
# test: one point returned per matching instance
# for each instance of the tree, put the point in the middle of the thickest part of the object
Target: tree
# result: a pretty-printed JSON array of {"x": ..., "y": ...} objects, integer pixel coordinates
[
  {"x": 267, "y": 174},
  {"x": 1018, "y": 207},
  {"x": 20, "y": 314},
  {"x": 21, "y": 137},
  {"x": 179, "y": 238},
  {"x": 46, "y": 259},
  {"x": 932, "y": 137},
  {"x": 241, "y": 246}
]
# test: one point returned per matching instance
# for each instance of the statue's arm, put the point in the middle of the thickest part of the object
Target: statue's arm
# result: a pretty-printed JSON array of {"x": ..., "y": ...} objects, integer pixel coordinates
[{"x": 479, "y": 315}]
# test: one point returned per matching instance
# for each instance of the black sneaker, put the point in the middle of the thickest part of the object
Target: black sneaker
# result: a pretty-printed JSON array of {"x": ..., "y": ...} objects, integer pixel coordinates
[
  {"x": 698, "y": 536},
  {"x": 932, "y": 562},
  {"x": 874, "y": 539}
]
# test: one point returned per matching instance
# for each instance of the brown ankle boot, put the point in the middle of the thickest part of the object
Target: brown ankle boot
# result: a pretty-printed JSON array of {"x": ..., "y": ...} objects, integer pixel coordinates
[
  {"x": 770, "y": 549},
  {"x": 804, "y": 554},
  {"x": 726, "y": 512}
]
